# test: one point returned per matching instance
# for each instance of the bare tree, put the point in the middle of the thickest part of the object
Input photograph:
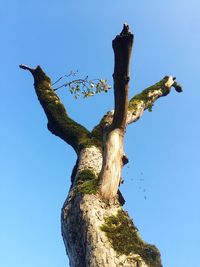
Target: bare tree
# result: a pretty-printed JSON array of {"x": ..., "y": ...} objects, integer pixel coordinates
[{"x": 96, "y": 231}]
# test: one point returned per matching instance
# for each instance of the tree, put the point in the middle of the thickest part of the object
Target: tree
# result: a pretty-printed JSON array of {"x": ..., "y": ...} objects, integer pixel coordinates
[{"x": 95, "y": 229}]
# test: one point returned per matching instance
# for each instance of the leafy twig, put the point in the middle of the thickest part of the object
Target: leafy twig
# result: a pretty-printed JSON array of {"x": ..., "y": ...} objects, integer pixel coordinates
[{"x": 85, "y": 87}]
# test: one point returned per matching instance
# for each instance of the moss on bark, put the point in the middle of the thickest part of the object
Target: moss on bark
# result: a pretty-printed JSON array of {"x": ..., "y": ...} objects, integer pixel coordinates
[
  {"x": 86, "y": 182},
  {"x": 124, "y": 238},
  {"x": 59, "y": 123},
  {"x": 147, "y": 98}
]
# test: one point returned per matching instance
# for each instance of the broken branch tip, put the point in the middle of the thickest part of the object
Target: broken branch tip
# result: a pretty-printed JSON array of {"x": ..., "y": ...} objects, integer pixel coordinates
[{"x": 125, "y": 30}]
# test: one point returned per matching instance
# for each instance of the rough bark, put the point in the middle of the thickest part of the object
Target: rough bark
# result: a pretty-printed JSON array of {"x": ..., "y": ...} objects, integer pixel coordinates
[
  {"x": 95, "y": 229},
  {"x": 90, "y": 239},
  {"x": 88, "y": 245}
]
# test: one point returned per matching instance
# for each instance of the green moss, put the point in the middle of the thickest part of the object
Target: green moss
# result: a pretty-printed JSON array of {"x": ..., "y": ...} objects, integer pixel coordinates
[
  {"x": 59, "y": 123},
  {"x": 97, "y": 132},
  {"x": 144, "y": 96},
  {"x": 150, "y": 108},
  {"x": 95, "y": 137},
  {"x": 88, "y": 141},
  {"x": 133, "y": 105},
  {"x": 40, "y": 77},
  {"x": 73, "y": 133},
  {"x": 124, "y": 238},
  {"x": 87, "y": 182},
  {"x": 136, "y": 100}
]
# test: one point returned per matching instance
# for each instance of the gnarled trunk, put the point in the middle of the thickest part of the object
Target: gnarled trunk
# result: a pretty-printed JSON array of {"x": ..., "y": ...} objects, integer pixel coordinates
[{"x": 97, "y": 232}]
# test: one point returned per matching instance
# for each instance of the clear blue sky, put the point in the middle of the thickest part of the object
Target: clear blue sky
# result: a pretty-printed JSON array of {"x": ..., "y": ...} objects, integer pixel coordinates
[{"x": 162, "y": 180}]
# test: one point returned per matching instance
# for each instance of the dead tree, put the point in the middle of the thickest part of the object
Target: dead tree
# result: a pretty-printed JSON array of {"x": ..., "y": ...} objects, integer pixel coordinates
[{"x": 95, "y": 229}]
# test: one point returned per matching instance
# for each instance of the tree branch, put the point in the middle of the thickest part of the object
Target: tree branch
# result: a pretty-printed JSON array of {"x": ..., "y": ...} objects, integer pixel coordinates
[
  {"x": 139, "y": 103},
  {"x": 59, "y": 123},
  {"x": 113, "y": 136},
  {"x": 122, "y": 46},
  {"x": 146, "y": 99}
]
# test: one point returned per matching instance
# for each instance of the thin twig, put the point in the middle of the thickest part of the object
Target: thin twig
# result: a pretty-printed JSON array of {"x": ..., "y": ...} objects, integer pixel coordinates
[{"x": 72, "y": 73}]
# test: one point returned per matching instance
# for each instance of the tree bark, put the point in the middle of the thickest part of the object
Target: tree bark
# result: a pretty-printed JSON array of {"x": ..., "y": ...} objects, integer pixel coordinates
[
  {"x": 114, "y": 135},
  {"x": 89, "y": 236},
  {"x": 95, "y": 229}
]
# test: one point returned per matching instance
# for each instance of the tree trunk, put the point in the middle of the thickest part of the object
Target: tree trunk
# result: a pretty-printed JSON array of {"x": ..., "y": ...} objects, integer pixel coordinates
[
  {"x": 97, "y": 232},
  {"x": 95, "y": 229}
]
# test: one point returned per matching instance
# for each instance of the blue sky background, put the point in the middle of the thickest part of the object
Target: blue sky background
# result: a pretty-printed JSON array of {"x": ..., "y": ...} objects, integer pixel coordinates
[{"x": 162, "y": 179}]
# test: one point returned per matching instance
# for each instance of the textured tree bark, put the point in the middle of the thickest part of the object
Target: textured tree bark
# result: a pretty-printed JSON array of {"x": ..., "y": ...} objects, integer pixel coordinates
[
  {"x": 95, "y": 229},
  {"x": 83, "y": 219}
]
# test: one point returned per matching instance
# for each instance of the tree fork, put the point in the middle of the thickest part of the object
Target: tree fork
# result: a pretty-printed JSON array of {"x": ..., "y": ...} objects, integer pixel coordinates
[{"x": 98, "y": 233}]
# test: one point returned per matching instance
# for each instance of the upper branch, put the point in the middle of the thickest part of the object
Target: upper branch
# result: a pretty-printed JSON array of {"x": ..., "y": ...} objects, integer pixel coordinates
[
  {"x": 139, "y": 103},
  {"x": 122, "y": 46},
  {"x": 113, "y": 138},
  {"x": 147, "y": 97},
  {"x": 59, "y": 123}
]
